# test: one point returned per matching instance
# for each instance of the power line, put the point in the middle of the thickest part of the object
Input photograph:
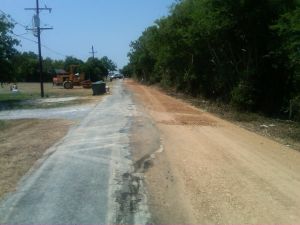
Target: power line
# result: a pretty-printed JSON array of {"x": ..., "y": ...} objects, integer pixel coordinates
[
  {"x": 16, "y": 22},
  {"x": 37, "y": 32},
  {"x": 44, "y": 3},
  {"x": 28, "y": 39},
  {"x": 20, "y": 35},
  {"x": 54, "y": 51},
  {"x": 44, "y": 46}
]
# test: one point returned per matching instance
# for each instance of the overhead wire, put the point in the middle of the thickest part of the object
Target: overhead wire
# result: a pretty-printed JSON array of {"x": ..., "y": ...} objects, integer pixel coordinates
[
  {"x": 25, "y": 38},
  {"x": 54, "y": 51},
  {"x": 44, "y": 46},
  {"x": 28, "y": 39},
  {"x": 16, "y": 22},
  {"x": 44, "y": 3}
]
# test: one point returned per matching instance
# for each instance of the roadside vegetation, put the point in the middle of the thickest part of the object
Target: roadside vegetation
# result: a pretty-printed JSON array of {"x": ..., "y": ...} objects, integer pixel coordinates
[
  {"x": 244, "y": 54},
  {"x": 28, "y": 96},
  {"x": 22, "y": 66}
]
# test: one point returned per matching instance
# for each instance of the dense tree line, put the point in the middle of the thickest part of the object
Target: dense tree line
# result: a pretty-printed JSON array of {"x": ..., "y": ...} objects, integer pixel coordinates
[
  {"x": 18, "y": 66},
  {"x": 7, "y": 49},
  {"x": 242, "y": 52}
]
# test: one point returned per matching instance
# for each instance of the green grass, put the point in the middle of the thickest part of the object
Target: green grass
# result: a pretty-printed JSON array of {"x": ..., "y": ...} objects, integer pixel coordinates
[
  {"x": 4, "y": 124},
  {"x": 14, "y": 100},
  {"x": 18, "y": 96},
  {"x": 31, "y": 91}
]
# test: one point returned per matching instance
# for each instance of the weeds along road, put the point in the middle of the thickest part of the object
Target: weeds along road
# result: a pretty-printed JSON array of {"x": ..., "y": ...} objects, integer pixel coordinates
[{"x": 88, "y": 178}]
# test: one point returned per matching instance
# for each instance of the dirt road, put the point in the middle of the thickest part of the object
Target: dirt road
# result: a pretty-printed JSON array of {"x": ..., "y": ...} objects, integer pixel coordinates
[
  {"x": 211, "y": 171},
  {"x": 197, "y": 168}
]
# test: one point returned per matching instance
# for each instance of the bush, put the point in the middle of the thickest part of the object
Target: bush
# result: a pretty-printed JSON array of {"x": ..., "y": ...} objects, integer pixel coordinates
[
  {"x": 295, "y": 108},
  {"x": 242, "y": 97}
]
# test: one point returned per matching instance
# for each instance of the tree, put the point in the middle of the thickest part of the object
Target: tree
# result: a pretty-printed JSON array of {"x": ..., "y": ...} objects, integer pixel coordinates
[
  {"x": 243, "y": 52},
  {"x": 127, "y": 70},
  {"x": 108, "y": 63},
  {"x": 288, "y": 28},
  {"x": 7, "y": 49},
  {"x": 70, "y": 60},
  {"x": 48, "y": 67},
  {"x": 58, "y": 64},
  {"x": 141, "y": 55},
  {"x": 94, "y": 69},
  {"x": 25, "y": 67}
]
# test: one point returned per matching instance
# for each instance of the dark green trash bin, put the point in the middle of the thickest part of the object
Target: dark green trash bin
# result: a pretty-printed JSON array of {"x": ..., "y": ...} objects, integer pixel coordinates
[{"x": 99, "y": 88}]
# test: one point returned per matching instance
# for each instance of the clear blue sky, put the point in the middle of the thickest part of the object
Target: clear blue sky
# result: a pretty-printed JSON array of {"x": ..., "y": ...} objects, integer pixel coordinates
[{"x": 109, "y": 25}]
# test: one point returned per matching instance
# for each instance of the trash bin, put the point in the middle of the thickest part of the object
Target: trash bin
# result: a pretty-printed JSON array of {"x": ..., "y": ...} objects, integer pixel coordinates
[{"x": 99, "y": 88}]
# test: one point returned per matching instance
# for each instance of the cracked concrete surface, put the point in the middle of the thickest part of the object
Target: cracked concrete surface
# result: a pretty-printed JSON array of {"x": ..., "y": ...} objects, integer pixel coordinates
[{"x": 80, "y": 181}]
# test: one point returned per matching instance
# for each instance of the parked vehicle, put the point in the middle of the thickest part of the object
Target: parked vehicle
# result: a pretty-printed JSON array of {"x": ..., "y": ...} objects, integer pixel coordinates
[
  {"x": 115, "y": 76},
  {"x": 119, "y": 76},
  {"x": 69, "y": 80}
]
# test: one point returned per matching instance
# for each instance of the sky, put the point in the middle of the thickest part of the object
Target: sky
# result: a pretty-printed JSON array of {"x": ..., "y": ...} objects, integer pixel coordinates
[{"x": 108, "y": 25}]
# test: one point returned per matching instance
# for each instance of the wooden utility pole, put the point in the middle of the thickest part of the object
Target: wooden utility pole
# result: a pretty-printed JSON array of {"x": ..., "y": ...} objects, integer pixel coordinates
[
  {"x": 37, "y": 32},
  {"x": 93, "y": 52}
]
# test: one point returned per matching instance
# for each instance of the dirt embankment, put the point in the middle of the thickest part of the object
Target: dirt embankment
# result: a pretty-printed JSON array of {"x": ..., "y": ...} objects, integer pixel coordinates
[
  {"x": 22, "y": 143},
  {"x": 212, "y": 171}
]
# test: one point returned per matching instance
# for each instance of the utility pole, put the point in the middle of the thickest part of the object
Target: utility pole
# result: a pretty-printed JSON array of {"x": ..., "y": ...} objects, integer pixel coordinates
[
  {"x": 37, "y": 33},
  {"x": 93, "y": 52}
]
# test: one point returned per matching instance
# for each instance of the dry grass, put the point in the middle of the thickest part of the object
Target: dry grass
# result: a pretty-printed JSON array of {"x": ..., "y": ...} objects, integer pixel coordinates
[
  {"x": 33, "y": 90},
  {"x": 22, "y": 143},
  {"x": 29, "y": 92}
]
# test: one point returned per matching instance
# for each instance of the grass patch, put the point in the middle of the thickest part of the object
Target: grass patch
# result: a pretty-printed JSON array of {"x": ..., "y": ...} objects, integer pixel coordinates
[
  {"x": 32, "y": 104},
  {"x": 3, "y": 124},
  {"x": 14, "y": 100},
  {"x": 30, "y": 92}
]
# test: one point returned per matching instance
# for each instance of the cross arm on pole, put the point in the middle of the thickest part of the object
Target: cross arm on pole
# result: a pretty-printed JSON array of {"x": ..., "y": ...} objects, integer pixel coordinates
[{"x": 49, "y": 9}]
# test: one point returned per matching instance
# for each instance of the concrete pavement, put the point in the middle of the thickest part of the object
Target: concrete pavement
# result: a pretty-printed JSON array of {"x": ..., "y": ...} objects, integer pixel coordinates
[{"x": 89, "y": 177}]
